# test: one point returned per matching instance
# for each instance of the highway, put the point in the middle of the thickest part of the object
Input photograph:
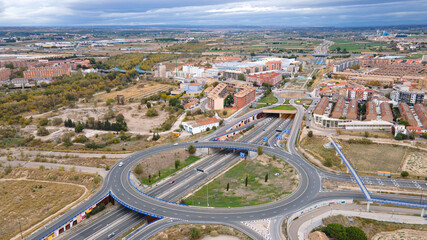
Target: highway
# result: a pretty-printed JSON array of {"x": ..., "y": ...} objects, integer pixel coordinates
[{"x": 118, "y": 184}]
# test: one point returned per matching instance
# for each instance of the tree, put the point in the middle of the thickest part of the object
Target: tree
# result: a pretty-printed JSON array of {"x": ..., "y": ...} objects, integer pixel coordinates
[
  {"x": 120, "y": 118},
  {"x": 228, "y": 101},
  {"x": 228, "y": 186},
  {"x": 266, "y": 177},
  {"x": 335, "y": 230},
  {"x": 138, "y": 169},
  {"x": 366, "y": 134},
  {"x": 404, "y": 122},
  {"x": 246, "y": 181},
  {"x": 79, "y": 128},
  {"x": 400, "y": 136},
  {"x": 215, "y": 84},
  {"x": 300, "y": 68},
  {"x": 177, "y": 163},
  {"x": 404, "y": 174},
  {"x": 224, "y": 112},
  {"x": 259, "y": 150},
  {"x": 355, "y": 233},
  {"x": 424, "y": 135},
  {"x": 191, "y": 149},
  {"x": 151, "y": 112},
  {"x": 241, "y": 77},
  {"x": 310, "y": 134},
  {"x": 148, "y": 105}
]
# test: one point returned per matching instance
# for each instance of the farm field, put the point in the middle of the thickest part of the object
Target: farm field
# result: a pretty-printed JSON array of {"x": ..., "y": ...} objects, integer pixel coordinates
[{"x": 358, "y": 46}]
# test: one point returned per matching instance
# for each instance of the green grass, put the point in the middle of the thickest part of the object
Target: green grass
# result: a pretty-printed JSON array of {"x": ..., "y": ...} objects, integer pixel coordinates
[
  {"x": 358, "y": 47},
  {"x": 257, "y": 192},
  {"x": 169, "y": 171},
  {"x": 314, "y": 146},
  {"x": 414, "y": 56},
  {"x": 284, "y": 107},
  {"x": 270, "y": 98}
]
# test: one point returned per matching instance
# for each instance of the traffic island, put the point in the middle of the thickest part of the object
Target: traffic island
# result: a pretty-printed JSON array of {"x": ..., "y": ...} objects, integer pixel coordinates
[{"x": 259, "y": 181}]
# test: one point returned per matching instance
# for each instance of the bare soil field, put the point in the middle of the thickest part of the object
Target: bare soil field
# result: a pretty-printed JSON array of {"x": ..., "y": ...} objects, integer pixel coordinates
[
  {"x": 152, "y": 164},
  {"x": 375, "y": 157},
  {"x": 229, "y": 112},
  {"x": 292, "y": 95},
  {"x": 373, "y": 227},
  {"x": 141, "y": 90},
  {"x": 407, "y": 234},
  {"x": 204, "y": 232},
  {"x": 416, "y": 163},
  {"x": 29, "y": 202}
]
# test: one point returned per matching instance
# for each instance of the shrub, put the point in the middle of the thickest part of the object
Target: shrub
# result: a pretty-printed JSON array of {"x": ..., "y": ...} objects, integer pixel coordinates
[
  {"x": 310, "y": 134},
  {"x": 56, "y": 121},
  {"x": 42, "y": 131},
  {"x": 195, "y": 233},
  {"x": 97, "y": 179},
  {"x": 151, "y": 112},
  {"x": 79, "y": 128},
  {"x": 81, "y": 139},
  {"x": 259, "y": 150},
  {"x": 138, "y": 169},
  {"x": 191, "y": 149},
  {"x": 404, "y": 174}
]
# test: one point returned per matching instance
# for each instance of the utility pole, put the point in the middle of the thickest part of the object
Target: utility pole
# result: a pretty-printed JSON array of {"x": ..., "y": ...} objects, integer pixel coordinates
[{"x": 20, "y": 228}]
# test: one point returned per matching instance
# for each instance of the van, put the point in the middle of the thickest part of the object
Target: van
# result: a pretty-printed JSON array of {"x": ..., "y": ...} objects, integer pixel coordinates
[{"x": 121, "y": 164}]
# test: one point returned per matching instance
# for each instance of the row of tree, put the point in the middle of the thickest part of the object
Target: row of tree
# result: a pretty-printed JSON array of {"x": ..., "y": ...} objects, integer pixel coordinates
[{"x": 98, "y": 125}]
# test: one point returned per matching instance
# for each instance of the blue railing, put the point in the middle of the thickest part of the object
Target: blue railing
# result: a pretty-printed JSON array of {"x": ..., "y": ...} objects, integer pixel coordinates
[{"x": 133, "y": 208}]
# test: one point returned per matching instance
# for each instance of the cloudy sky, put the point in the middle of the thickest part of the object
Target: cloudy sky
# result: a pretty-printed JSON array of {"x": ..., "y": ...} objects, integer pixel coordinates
[{"x": 212, "y": 12}]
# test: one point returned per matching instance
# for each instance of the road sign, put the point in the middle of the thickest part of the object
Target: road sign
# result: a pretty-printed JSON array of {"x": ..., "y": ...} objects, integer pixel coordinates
[
  {"x": 279, "y": 138},
  {"x": 242, "y": 154},
  {"x": 265, "y": 138},
  {"x": 286, "y": 130}
]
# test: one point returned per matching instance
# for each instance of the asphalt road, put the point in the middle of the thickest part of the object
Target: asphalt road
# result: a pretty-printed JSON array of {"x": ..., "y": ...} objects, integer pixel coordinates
[{"x": 118, "y": 183}]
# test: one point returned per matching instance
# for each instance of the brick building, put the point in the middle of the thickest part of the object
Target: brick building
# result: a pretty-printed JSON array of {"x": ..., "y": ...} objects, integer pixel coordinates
[
  {"x": 338, "y": 109},
  {"x": 371, "y": 111},
  {"x": 421, "y": 111},
  {"x": 352, "y": 110},
  {"x": 407, "y": 115},
  {"x": 244, "y": 96},
  {"x": 47, "y": 72},
  {"x": 375, "y": 62},
  {"x": 386, "y": 113},
  {"x": 272, "y": 78},
  {"x": 321, "y": 106},
  {"x": 4, "y": 74}
]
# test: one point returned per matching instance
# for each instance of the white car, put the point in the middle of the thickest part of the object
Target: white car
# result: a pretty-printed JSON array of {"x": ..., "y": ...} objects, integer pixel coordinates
[
  {"x": 175, "y": 144},
  {"x": 121, "y": 164}
]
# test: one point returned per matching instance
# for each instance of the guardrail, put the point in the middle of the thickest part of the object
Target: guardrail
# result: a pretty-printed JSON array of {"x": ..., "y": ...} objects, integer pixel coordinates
[
  {"x": 70, "y": 219},
  {"x": 133, "y": 208}
]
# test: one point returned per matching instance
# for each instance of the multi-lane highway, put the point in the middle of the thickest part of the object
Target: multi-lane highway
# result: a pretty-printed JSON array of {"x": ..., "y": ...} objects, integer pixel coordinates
[{"x": 119, "y": 185}]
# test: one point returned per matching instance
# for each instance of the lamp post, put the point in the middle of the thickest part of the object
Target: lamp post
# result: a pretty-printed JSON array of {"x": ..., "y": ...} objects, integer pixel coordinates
[{"x": 20, "y": 228}]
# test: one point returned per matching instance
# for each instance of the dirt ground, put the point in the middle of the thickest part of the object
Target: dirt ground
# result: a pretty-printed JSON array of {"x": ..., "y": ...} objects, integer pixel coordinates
[
  {"x": 407, "y": 234},
  {"x": 182, "y": 232},
  {"x": 29, "y": 202},
  {"x": 416, "y": 163},
  {"x": 141, "y": 90},
  {"x": 292, "y": 95},
  {"x": 152, "y": 164}
]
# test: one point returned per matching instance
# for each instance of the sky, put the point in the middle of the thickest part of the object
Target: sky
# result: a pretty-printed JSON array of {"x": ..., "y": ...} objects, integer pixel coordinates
[{"x": 282, "y": 13}]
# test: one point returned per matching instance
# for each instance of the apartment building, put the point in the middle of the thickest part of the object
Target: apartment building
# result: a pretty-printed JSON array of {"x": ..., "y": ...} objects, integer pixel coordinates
[
  {"x": 321, "y": 106},
  {"x": 339, "y": 109},
  {"x": 403, "y": 93},
  {"x": 360, "y": 94},
  {"x": 371, "y": 111},
  {"x": 273, "y": 65},
  {"x": 352, "y": 110},
  {"x": 386, "y": 113},
  {"x": 375, "y": 62},
  {"x": 421, "y": 111},
  {"x": 406, "y": 114},
  {"x": 244, "y": 96},
  {"x": 272, "y": 78},
  {"x": 216, "y": 97},
  {"x": 47, "y": 72}
]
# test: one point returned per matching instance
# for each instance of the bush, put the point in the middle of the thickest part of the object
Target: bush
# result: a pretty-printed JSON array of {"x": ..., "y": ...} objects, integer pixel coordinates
[
  {"x": 328, "y": 162},
  {"x": 81, "y": 139},
  {"x": 42, "y": 131},
  {"x": 355, "y": 233},
  {"x": 79, "y": 128},
  {"x": 310, "y": 134},
  {"x": 177, "y": 163},
  {"x": 259, "y": 150},
  {"x": 94, "y": 145},
  {"x": 400, "y": 136},
  {"x": 335, "y": 230},
  {"x": 138, "y": 169},
  {"x": 151, "y": 112},
  {"x": 404, "y": 174},
  {"x": 44, "y": 122},
  {"x": 56, "y": 121},
  {"x": 195, "y": 233},
  {"x": 360, "y": 141},
  {"x": 191, "y": 149}
]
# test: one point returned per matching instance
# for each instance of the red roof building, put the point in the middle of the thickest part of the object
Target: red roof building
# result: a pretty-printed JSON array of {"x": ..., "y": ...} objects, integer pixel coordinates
[
  {"x": 272, "y": 78},
  {"x": 4, "y": 74},
  {"x": 321, "y": 106},
  {"x": 421, "y": 111},
  {"x": 338, "y": 109},
  {"x": 371, "y": 111},
  {"x": 352, "y": 110},
  {"x": 407, "y": 115},
  {"x": 386, "y": 114},
  {"x": 47, "y": 72}
]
